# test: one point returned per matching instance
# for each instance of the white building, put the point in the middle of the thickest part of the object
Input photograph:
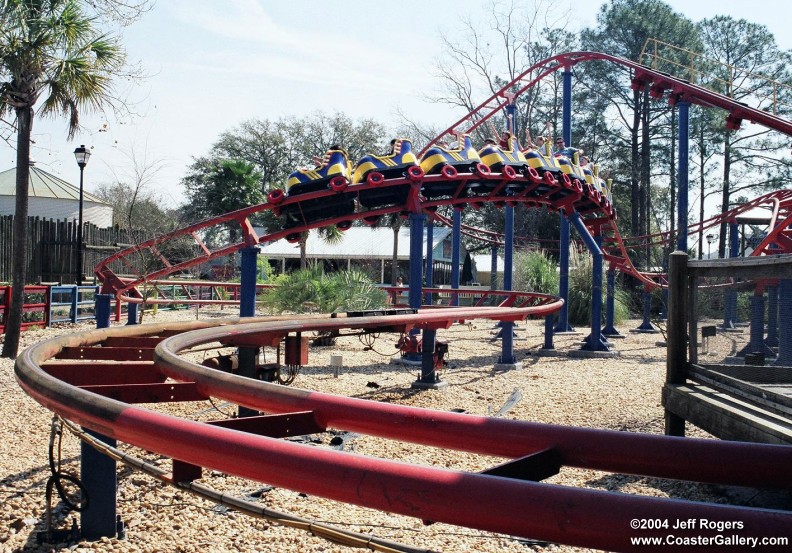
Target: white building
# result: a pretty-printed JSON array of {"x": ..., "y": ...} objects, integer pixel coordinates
[
  {"x": 371, "y": 248},
  {"x": 53, "y": 198}
]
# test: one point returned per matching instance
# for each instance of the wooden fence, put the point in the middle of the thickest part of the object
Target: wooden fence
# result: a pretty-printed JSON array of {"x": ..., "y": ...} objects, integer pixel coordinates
[{"x": 52, "y": 253}]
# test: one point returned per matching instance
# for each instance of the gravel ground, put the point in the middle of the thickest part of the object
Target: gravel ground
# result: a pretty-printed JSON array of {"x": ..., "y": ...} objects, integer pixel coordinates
[{"x": 621, "y": 393}]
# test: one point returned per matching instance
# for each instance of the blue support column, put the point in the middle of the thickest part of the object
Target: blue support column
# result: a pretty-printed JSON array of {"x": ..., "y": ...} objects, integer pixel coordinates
[
  {"x": 563, "y": 247},
  {"x": 247, "y": 288},
  {"x": 756, "y": 342},
  {"x": 548, "y": 333},
  {"x": 247, "y": 355},
  {"x": 507, "y": 328},
  {"x": 416, "y": 259},
  {"x": 75, "y": 300},
  {"x": 563, "y": 277},
  {"x": 456, "y": 246},
  {"x": 429, "y": 259},
  {"x": 594, "y": 342},
  {"x": 102, "y": 310},
  {"x": 610, "y": 305},
  {"x": 730, "y": 294},
  {"x": 98, "y": 475},
  {"x": 428, "y": 374},
  {"x": 646, "y": 325},
  {"x": 132, "y": 313},
  {"x": 682, "y": 176},
  {"x": 494, "y": 268},
  {"x": 566, "y": 105},
  {"x": 784, "y": 358},
  {"x": 416, "y": 278},
  {"x": 772, "y": 317},
  {"x": 428, "y": 378}
]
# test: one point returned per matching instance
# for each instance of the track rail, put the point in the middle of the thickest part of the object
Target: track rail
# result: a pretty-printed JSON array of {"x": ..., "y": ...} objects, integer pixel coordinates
[{"x": 505, "y": 499}]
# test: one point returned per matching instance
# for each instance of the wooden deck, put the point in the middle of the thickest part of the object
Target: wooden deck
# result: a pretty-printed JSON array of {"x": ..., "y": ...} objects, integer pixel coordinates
[
  {"x": 732, "y": 402},
  {"x": 744, "y": 403}
]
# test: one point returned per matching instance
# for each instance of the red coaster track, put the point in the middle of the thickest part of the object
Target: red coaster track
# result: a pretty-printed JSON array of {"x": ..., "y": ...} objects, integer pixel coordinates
[{"x": 546, "y": 190}]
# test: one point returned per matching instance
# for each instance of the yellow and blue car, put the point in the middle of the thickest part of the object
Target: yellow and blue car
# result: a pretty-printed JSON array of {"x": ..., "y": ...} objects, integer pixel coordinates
[
  {"x": 448, "y": 162},
  {"x": 542, "y": 159},
  {"x": 373, "y": 169},
  {"x": 332, "y": 172},
  {"x": 335, "y": 163},
  {"x": 393, "y": 164}
]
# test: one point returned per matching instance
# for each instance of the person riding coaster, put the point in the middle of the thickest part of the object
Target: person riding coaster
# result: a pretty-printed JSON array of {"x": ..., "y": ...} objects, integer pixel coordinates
[
  {"x": 333, "y": 172},
  {"x": 449, "y": 162},
  {"x": 374, "y": 169}
]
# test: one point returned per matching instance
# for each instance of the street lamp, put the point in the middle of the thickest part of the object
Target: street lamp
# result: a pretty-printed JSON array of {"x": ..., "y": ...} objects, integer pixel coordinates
[
  {"x": 82, "y": 155},
  {"x": 710, "y": 240}
]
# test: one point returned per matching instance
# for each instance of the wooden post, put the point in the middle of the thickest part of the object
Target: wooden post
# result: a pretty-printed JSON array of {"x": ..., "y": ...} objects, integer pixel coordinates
[{"x": 676, "y": 361}]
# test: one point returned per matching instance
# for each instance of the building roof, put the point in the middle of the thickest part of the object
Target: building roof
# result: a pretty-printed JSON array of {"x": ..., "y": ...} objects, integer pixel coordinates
[
  {"x": 357, "y": 243},
  {"x": 44, "y": 185}
]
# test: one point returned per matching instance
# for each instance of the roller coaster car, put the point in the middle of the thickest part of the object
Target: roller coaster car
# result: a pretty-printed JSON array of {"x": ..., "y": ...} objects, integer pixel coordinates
[
  {"x": 374, "y": 169},
  {"x": 332, "y": 173},
  {"x": 448, "y": 162},
  {"x": 510, "y": 161}
]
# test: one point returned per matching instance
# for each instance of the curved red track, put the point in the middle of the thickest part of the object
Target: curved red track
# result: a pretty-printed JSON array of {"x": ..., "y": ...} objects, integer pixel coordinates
[
  {"x": 68, "y": 376},
  {"x": 73, "y": 377}
]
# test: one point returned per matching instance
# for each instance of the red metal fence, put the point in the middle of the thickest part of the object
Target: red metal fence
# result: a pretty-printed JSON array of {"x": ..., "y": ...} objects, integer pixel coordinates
[{"x": 35, "y": 310}]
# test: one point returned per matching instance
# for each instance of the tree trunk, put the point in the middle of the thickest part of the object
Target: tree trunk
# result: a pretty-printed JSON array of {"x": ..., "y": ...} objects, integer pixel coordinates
[
  {"x": 20, "y": 254},
  {"x": 673, "y": 182},
  {"x": 646, "y": 177},
  {"x": 303, "y": 248},
  {"x": 635, "y": 177},
  {"x": 725, "y": 196},
  {"x": 702, "y": 182}
]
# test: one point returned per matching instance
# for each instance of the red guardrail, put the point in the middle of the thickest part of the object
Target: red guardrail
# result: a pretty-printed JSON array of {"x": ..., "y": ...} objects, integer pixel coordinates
[{"x": 35, "y": 310}]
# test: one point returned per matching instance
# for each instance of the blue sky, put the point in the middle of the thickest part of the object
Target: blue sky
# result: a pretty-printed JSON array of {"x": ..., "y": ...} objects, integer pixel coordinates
[{"x": 215, "y": 64}]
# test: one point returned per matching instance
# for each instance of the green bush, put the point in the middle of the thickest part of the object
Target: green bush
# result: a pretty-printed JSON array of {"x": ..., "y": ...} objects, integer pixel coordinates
[
  {"x": 534, "y": 271},
  {"x": 311, "y": 289},
  {"x": 580, "y": 281}
]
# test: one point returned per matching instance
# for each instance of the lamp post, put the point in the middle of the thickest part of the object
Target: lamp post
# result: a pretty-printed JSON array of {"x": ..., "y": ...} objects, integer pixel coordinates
[
  {"x": 82, "y": 155},
  {"x": 710, "y": 240}
]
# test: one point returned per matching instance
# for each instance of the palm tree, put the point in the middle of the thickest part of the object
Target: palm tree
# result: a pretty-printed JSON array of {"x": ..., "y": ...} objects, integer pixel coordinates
[{"x": 49, "y": 51}]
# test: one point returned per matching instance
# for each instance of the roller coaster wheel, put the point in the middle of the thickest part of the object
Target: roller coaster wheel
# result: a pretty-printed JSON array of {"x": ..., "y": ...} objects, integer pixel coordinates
[
  {"x": 567, "y": 181},
  {"x": 482, "y": 170},
  {"x": 532, "y": 174},
  {"x": 449, "y": 172},
  {"x": 415, "y": 173},
  {"x": 508, "y": 172},
  {"x": 375, "y": 178},
  {"x": 276, "y": 196},
  {"x": 578, "y": 186},
  {"x": 371, "y": 220},
  {"x": 499, "y": 205},
  {"x": 293, "y": 238},
  {"x": 338, "y": 184},
  {"x": 549, "y": 178},
  {"x": 344, "y": 225}
]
